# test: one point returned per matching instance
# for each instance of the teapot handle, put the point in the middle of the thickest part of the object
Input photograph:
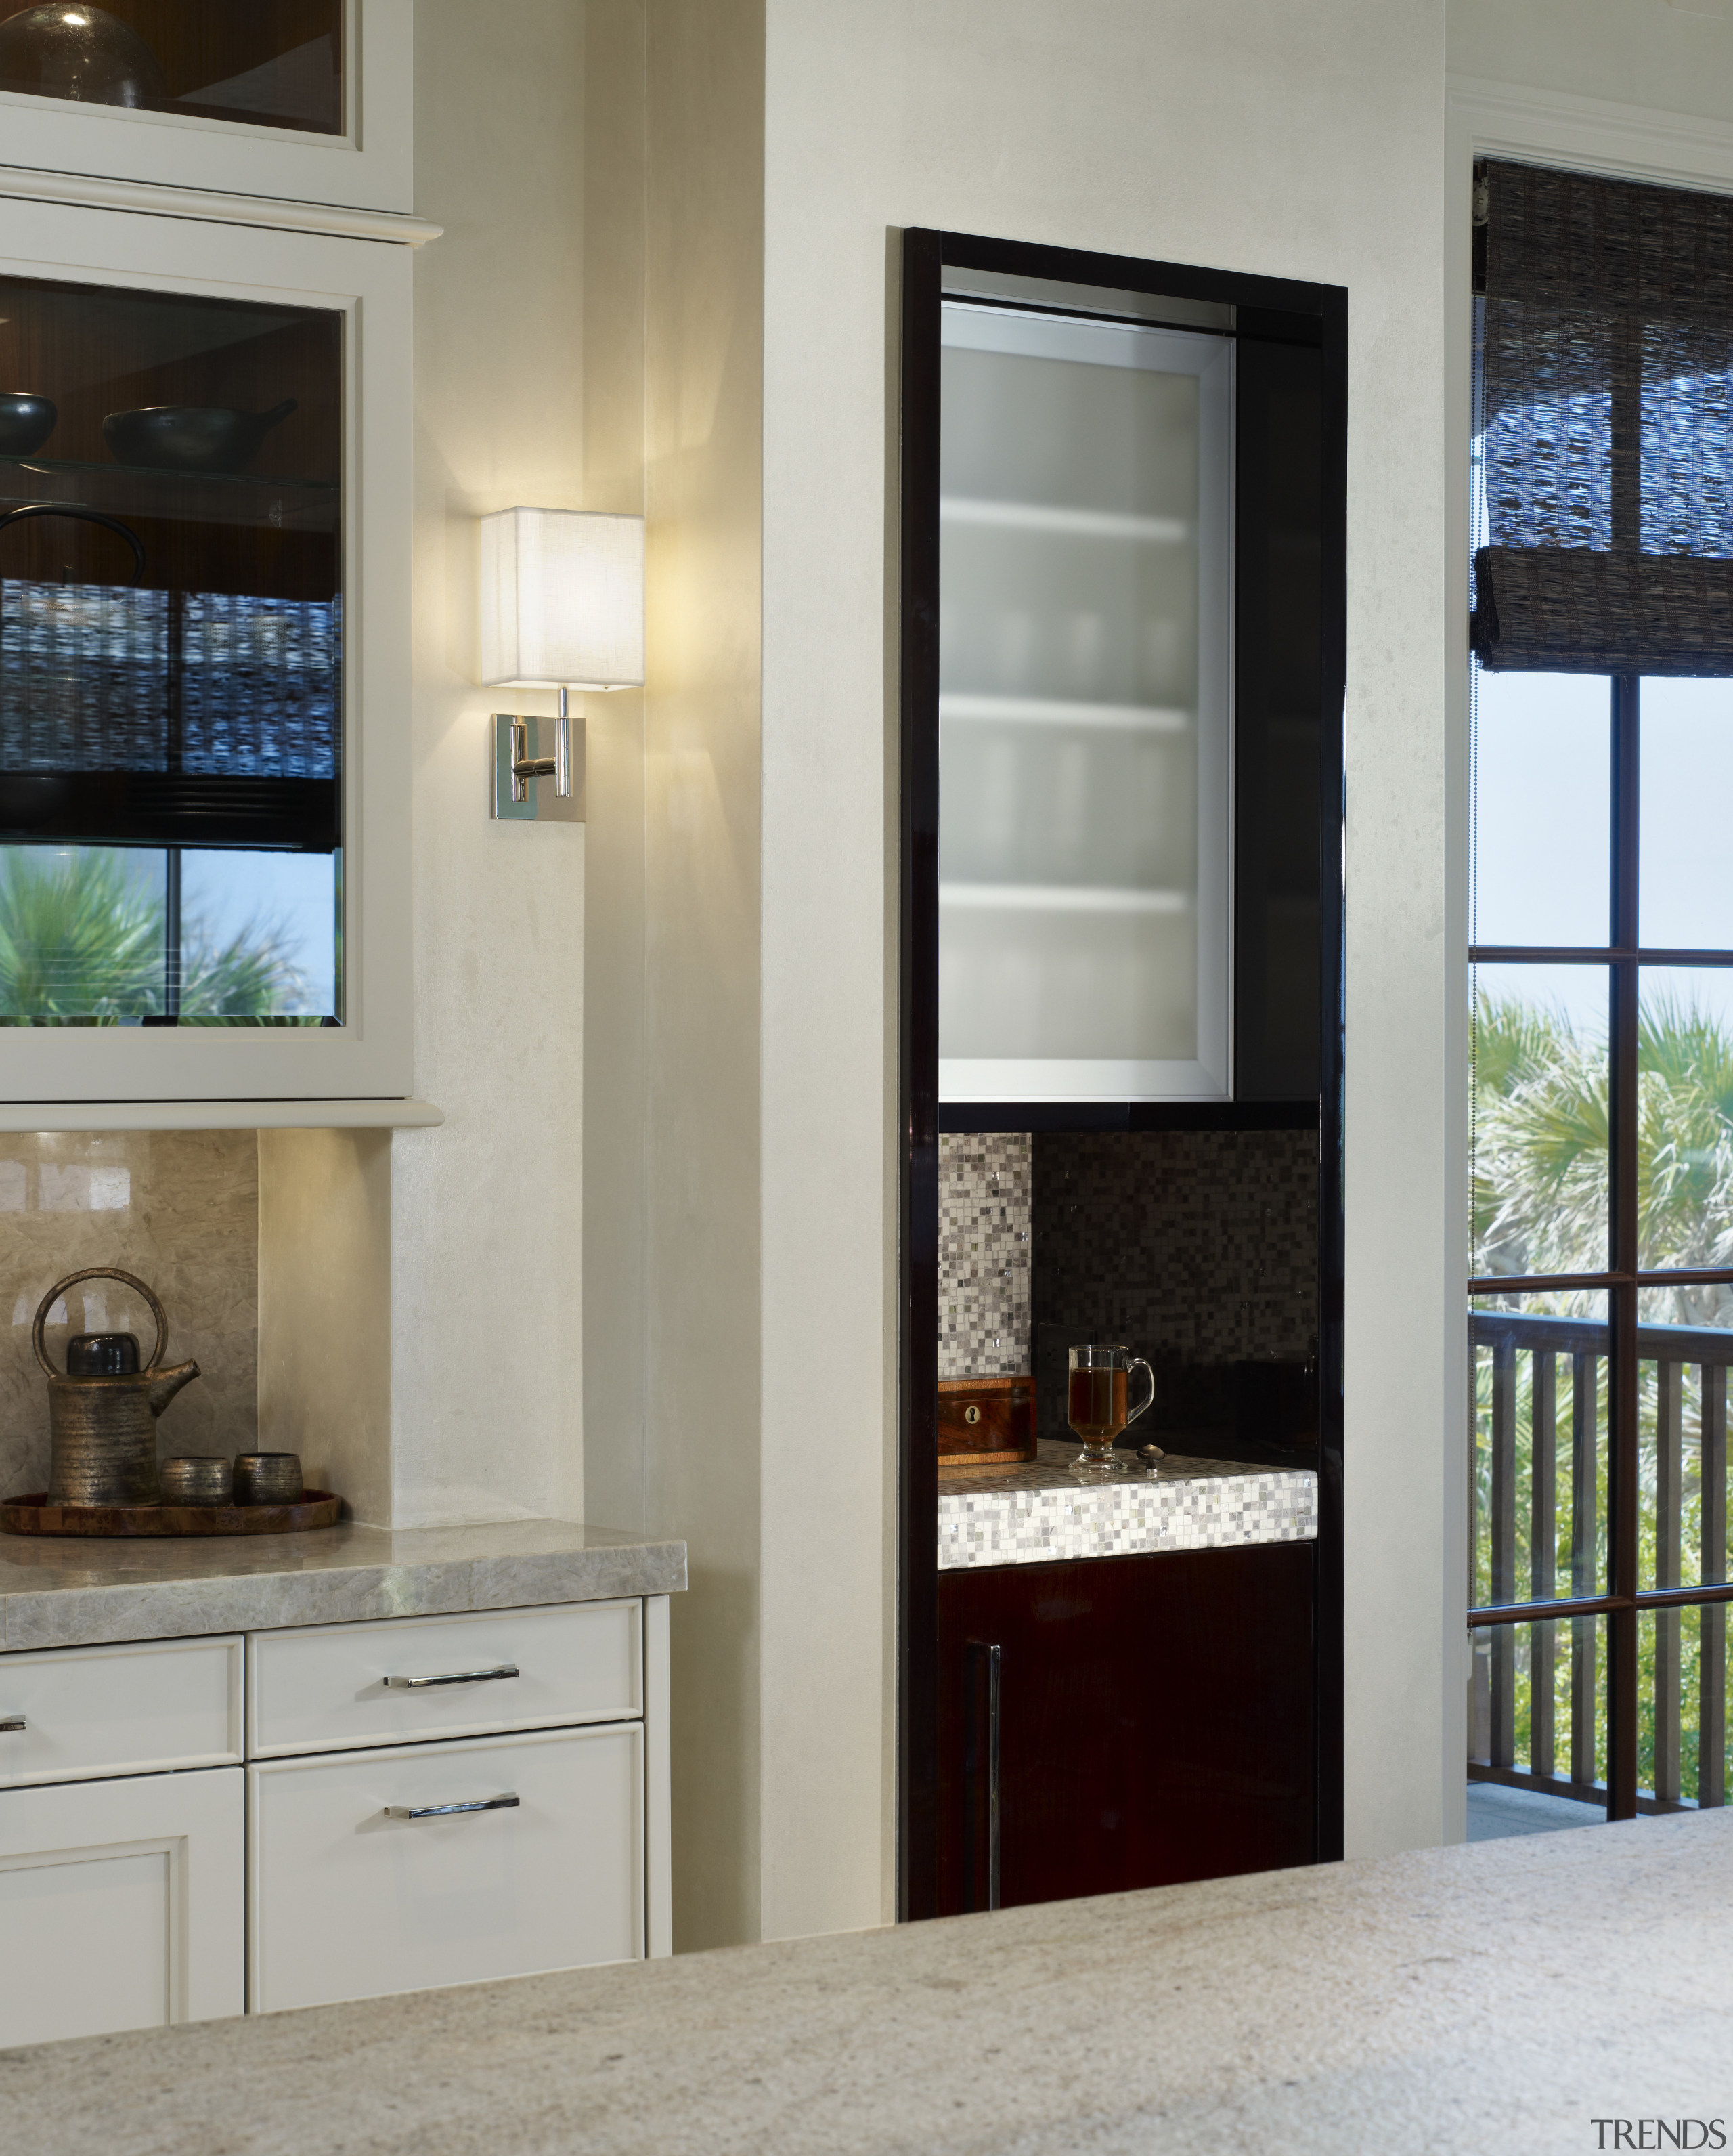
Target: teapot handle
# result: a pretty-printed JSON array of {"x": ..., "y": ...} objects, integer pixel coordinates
[{"x": 96, "y": 1272}]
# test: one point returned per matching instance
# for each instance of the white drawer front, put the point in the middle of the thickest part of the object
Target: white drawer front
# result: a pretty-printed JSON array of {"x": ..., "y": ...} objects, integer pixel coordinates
[
  {"x": 121, "y": 1905},
  {"x": 346, "y": 1902},
  {"x": 328, "y": 1688},
  {"x": 90, "y": 1711}
]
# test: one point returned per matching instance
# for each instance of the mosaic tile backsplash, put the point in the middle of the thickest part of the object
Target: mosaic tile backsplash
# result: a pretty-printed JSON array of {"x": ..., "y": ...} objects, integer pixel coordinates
[
  {"x": 984, "y": 1263},
  {"x": 1198, "y": 1249},
  {"x": 179, "y": 1208}
]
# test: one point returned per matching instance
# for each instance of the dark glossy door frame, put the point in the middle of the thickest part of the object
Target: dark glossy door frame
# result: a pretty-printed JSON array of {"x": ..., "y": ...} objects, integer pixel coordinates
[{"x": 1277, "y": 310}]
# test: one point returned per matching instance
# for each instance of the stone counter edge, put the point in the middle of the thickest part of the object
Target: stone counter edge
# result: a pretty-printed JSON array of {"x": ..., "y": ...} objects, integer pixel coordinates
[{"x": 274, "y": 1601}]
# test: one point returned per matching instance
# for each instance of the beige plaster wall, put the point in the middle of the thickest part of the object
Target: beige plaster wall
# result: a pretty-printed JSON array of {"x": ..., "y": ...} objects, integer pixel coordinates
[
  {"x": 674, "y": 125},
  {"x": 703, "y": 315},
  {"x": 1673, "y": 55},
  {"x": 324, "y": 1310},
  {"x": 179, "y": 1209},
  {"x": 485, "y": 1213},
  {"x": 615, "y": 1078},
  {"x": 1304, "y": 142}
]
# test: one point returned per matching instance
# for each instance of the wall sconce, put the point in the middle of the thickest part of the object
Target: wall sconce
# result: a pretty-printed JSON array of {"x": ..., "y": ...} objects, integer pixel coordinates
[{"x": 561, "y": 607}]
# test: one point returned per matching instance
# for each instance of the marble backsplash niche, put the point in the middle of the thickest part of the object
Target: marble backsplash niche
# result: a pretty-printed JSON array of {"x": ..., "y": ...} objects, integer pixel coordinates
[
  {"x": 179, "y": 1208},
  {"x": 983, "y": 1254}
]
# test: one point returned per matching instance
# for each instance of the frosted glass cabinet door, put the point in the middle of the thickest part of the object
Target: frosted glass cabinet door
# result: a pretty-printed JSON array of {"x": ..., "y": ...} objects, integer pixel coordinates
[{"x": 1085, "y": 524}]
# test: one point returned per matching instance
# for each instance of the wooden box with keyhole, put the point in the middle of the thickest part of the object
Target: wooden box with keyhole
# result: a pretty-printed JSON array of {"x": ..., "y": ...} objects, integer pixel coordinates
[{"x": 986, "y": 1419}]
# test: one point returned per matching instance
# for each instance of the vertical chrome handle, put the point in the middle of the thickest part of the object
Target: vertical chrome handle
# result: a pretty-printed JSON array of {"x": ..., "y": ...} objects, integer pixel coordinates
[
  {"x": 976, "y": 1652},
  {"x": 557, "y": 766},
  {"x": 563, "y": 749},
  {"x": 14, "y": 1722}
]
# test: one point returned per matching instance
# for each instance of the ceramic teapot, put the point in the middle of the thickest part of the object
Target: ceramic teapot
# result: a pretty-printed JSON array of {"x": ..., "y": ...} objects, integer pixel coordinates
[{"x": 103, "y": 1409}]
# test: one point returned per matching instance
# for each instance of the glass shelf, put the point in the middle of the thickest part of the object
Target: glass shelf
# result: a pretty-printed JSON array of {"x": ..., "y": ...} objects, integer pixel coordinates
[
  {"x": 992, "y": 710},
  {"x": 1059, "y": 520},
  {"x": 253, "y": 498}
]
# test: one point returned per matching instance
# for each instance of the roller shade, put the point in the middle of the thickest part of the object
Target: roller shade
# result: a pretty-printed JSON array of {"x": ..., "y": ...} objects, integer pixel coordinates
[
  {"x": 1606, "y": 368},
  {"x": 146, "y": 717}
]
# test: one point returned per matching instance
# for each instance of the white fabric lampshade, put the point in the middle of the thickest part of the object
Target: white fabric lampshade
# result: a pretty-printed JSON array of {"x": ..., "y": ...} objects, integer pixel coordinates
[{"x": 562, "y": 599}]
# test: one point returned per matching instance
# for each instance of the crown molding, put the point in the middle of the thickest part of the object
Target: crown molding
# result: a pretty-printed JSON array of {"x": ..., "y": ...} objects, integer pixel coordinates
[
  {"x": 86, "y": 191},
  {"x": 1624, "y": 142}
]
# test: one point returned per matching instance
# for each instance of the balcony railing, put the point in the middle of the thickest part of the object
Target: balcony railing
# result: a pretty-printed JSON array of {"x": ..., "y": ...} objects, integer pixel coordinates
[{"x": 1537, "y": 1510}]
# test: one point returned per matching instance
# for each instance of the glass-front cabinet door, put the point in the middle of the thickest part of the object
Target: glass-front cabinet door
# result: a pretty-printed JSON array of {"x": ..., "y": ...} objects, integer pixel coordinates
[
  {"x": 1084, "y": 518},
  {"x": 188, "y": 512},
  {"x": 301, "y": 98}
]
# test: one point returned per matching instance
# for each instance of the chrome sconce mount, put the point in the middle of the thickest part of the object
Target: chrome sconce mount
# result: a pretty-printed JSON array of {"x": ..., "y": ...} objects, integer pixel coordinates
[{"x": 530, "y": 788}]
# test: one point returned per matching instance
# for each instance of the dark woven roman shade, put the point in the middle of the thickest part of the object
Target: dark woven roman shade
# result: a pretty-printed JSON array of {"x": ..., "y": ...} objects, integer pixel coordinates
[{"x": 1607, "y": 388}]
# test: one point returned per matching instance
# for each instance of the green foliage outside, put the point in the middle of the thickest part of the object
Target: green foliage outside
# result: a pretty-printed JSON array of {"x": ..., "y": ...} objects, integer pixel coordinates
[
  {"x": 82, "y": 942},
  {"x": 1539, "y": 1206}
]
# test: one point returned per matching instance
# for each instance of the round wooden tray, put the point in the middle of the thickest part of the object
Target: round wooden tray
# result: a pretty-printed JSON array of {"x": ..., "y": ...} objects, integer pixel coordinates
[{"x": 35, "y": 1516}]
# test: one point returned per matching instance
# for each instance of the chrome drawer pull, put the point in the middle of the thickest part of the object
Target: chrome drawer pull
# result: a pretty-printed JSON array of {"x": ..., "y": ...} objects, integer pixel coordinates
[
  {"x": 14, "y": 1722},
  {"x": 457, "y": 1676},
  {"x": 445, "y": 1811}
]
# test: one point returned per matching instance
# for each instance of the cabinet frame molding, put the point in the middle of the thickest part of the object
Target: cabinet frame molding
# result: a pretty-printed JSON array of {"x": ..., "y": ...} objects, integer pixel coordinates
[
  {"x": 369, "y": 166},
  {"x": 368, "y": 1057},
  {"x": 1276, "y": 310},
  {"x": 196, "y": 1822}
]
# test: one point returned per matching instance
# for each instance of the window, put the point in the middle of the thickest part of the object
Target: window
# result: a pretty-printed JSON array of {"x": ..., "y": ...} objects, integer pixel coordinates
[
  {"x": 1601, "y": 1295},
  {"x": 171, "y": 645}
]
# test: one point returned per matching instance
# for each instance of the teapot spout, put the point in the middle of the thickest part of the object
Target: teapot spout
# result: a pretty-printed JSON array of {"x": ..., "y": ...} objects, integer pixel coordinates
[{"x": 163, "y": 1387}]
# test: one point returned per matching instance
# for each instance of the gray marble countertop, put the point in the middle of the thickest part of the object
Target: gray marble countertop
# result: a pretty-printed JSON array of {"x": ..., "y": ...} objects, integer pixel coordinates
[
  {"x": 1503, "y": 1996},
  {"x": 70, "y": 1592},
  {"x": 1046, "y": 1509}
]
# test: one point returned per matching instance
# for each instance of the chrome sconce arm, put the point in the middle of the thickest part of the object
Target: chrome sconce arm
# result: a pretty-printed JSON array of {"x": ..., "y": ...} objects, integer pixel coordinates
[
  {"x": 530, "y": 788},
  {"x": 557, "y": 766}
]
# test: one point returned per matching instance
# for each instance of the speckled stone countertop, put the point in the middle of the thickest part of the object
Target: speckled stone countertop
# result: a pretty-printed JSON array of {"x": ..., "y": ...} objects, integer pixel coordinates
[
  {"x": 56, "y": 1592},
  {"x": 1448, "y": 2003},
  {"x": 1045, "y": 1509}
]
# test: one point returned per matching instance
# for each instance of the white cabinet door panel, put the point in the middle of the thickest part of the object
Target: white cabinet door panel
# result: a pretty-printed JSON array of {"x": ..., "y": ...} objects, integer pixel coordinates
[
  {"x": 89, "y": 1711},
  {"x": 329, "y": 1687},
  {"x": 121, "y": 1904},
  {"x": 346, "y": 1902}
]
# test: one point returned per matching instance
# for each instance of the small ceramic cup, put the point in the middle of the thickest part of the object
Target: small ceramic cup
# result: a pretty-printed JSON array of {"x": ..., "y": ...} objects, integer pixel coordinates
[
  {"x": 267, "y": 1478},
  {"x": 193, "y": 1480}
]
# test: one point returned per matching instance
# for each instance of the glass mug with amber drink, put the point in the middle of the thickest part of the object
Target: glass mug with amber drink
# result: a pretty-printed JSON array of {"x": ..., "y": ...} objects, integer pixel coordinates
[{"x": 1095, "y": 1395}]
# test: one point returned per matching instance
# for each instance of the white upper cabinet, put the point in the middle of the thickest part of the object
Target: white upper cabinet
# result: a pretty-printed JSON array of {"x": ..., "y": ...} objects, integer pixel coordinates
[
  {"x": 204, "y": 660},
  {"x": 308, "y": 100}
]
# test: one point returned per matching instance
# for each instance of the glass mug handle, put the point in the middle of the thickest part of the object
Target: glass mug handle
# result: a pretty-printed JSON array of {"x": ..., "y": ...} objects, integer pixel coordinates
[{"x": 1137, "y": 1363}]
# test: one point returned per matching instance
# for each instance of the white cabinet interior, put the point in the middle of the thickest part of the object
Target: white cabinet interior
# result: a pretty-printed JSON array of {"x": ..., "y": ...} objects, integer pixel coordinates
[{"x": 1085, "y": 533}]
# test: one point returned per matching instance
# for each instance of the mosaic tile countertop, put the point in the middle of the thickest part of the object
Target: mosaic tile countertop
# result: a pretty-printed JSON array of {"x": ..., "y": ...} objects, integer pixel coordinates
[{"x": 1041, "y": 1512}]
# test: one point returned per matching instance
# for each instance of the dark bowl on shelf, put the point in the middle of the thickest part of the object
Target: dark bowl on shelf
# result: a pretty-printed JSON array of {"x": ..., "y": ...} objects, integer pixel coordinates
[
  {"x": 26, "y": 421},
  {"x": 81, "y": 52},
  {"x": 191, "y": 438}
]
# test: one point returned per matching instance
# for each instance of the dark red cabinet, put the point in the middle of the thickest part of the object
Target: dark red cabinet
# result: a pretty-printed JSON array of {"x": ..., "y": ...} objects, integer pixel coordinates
[{"x": 1154, "y": 1722}]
